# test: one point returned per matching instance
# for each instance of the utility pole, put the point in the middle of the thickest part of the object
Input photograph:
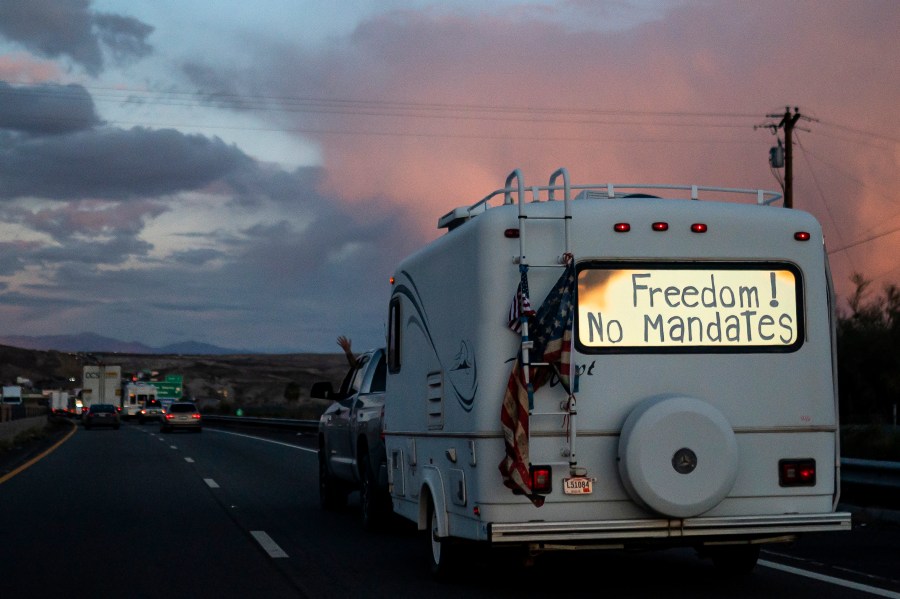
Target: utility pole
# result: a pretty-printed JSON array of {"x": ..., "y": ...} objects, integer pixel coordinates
[{"x": 788, "y": 120}]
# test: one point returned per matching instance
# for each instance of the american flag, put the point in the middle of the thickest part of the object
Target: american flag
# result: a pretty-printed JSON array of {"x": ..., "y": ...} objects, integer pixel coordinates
[
  {"x": 552, "y": 337},
  {"x": 521, "y": 305}
]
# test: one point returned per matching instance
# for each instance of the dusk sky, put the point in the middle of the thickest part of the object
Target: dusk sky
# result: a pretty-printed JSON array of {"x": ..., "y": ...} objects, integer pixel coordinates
[{"x": 248, "y": 174}]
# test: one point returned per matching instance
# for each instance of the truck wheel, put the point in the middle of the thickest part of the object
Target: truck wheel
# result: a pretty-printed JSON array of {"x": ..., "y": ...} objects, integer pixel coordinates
[
  {"x": 332, "y": 495},
  {"x": 443, "y": 551},
  {"x": 373, "y": 502},
  {"x": 737, "y": 560}
]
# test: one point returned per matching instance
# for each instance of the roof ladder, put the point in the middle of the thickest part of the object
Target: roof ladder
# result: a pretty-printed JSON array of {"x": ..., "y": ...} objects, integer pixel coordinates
[{"x": 567, "y": 408}]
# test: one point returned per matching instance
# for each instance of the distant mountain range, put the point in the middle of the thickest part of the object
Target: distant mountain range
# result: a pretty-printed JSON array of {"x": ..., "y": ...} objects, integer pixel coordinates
[{"x": 89, "y": 342}]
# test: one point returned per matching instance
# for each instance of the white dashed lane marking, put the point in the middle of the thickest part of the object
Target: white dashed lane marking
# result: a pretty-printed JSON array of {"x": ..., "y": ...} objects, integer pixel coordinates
[
  {"x": 212, "y": 484},
  {"x": 268, "y": 544}
]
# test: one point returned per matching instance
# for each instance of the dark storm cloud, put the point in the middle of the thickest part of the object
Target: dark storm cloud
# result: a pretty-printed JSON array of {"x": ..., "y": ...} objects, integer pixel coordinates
[
  {"x": 88, "y": 218},
  {"x": 38, "y": 303},
  {"x": 124, "y": 36},
  {"x": 46, "y": 109},
  {"x": 114, "y": 163},
  {"x": 197, "y": 257},
  {"x": 93, "y": 252},
  {"x": 53, "y": 29}
]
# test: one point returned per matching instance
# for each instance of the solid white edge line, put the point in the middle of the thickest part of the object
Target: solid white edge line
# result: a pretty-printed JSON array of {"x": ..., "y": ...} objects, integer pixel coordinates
[
  {"x": 830, "y": 579},
  {"x": 268, "y": 544},
  {"x": 211, "y": 483},
  {"x": 215, "y": 430}
]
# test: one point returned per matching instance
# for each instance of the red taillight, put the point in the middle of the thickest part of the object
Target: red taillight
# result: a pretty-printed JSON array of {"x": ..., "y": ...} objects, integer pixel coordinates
[
  {"x": 699, "y": 227},
  {"x": 797, "y": 473},
  {"x": 660, "y": 226},
  {"x": 621, "y": 227},
  {"x": 541, "y": 479},
  {"x": 802, "y": 236},
  {"x": 196, "y": 415},
  {"x": 170, "y": 416},
  {"x": 511, "y": 233}
]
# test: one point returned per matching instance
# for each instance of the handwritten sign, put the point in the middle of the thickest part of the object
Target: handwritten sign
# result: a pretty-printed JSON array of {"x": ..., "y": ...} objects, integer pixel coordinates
[{"x": 688, "y": 306}]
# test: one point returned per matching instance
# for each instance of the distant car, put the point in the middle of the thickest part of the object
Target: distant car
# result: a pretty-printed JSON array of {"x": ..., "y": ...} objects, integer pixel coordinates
[
  {"x": 181, "y": 415},
  {"x": 101, "y": 414},
  {"x": 152, "y": 410}
]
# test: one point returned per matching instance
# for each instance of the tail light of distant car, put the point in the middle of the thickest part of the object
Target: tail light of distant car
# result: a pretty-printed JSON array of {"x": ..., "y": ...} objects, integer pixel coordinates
[{"x": 196, "y": 415}]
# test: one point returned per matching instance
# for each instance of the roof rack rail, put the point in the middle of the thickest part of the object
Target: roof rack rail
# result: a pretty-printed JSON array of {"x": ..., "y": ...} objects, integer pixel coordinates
[{"x": 594, "y": 191}]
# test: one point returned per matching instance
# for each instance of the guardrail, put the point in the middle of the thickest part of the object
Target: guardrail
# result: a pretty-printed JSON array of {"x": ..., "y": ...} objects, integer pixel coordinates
[{"x": 870, "y": 472}]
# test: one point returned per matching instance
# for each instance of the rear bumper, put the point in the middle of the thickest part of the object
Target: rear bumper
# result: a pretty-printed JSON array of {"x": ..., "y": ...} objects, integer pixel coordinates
[{"x": 687, "y": 531}]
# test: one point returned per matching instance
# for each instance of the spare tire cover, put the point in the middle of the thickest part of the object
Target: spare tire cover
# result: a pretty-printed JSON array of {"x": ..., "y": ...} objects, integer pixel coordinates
[{"x": 677, "y": 456}]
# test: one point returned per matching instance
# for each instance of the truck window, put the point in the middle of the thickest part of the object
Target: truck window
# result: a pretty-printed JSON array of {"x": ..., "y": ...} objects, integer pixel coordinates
[
  {"x": 354, "y": 379},
  {"x": 378, "y": 378}
]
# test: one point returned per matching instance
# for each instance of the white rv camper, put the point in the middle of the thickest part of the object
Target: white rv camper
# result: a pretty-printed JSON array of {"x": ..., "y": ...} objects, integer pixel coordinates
[{"x": 690, "y": 401}]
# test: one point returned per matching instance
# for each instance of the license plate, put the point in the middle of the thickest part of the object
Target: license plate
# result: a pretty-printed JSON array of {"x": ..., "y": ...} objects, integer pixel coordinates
[{"x": 578, "y": 485}]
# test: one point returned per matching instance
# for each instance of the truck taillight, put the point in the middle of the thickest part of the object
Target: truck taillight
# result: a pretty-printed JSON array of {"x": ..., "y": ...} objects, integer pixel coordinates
[
  {"x": 541, "y": 479},
  {"x": 797, "y": 473}
]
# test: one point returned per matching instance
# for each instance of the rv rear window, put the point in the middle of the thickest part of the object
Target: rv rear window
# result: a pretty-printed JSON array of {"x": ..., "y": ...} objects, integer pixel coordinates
[{"x": 689, "y": 307}]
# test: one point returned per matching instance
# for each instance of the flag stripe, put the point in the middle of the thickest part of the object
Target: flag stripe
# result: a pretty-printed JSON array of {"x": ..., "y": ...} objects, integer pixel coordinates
[{"x": 552, "y": 336}]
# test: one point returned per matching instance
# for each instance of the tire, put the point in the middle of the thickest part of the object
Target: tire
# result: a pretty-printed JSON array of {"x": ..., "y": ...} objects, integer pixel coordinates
[
  {"x": 332, "y": 495},
  {"x": 374, "y": 502},
  {"x": 443, "y": 552},
  {"x": 735, "y": 561},
  {"x": 678, "y": 456}
]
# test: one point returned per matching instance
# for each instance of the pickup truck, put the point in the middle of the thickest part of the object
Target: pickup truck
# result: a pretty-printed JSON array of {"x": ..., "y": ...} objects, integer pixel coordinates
[{"x": 351, "y": 442}]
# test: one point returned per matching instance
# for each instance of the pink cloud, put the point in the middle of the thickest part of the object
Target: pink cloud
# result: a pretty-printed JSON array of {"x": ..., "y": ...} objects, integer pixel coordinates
[
  {"x": 24, "y": 69},
  {"x": 669, "y": 101},
  {"x": 94, "y": 217}
]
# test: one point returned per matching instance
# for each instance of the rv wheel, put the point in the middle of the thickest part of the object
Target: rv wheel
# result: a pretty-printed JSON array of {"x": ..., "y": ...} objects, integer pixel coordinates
[
  {"x": 443, "y": 551},
  {"x": 332, "y": 495}
]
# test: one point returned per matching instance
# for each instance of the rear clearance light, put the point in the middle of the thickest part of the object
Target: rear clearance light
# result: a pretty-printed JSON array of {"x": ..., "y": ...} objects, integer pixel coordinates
[
  {"x": 797, "y": 473},
  {"x": 660, "y": 226},
  {"x": 802, "y": 236},
  {"x": 699, "y": 228},
  {"x": 621, "y": 227},
  {"x": 541, "y": 479},
  {"x": 511, "y": 233}
]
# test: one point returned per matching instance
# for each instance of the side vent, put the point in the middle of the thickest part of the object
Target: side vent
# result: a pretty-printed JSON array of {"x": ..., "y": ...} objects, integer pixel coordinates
[{"x": 434, "y": 396}]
